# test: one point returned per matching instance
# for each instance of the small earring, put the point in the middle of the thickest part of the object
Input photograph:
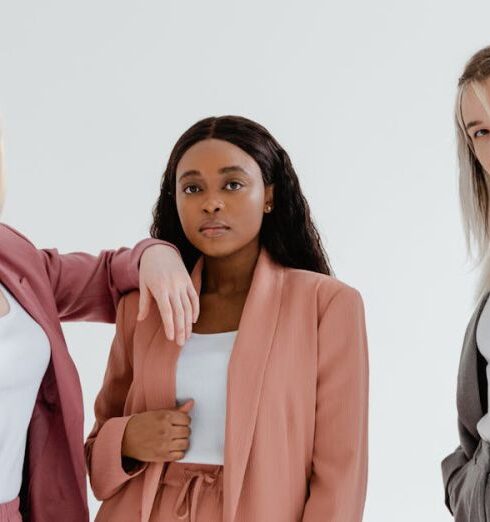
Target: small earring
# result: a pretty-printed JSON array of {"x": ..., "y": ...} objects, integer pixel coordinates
[{"x": 268, "y": 208}]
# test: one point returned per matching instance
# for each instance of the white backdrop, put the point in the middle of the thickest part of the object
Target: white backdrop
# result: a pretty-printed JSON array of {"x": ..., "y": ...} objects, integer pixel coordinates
[{"x": 95, "y": 94}]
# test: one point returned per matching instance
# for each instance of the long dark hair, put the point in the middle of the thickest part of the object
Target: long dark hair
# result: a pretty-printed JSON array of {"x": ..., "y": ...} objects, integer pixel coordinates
[{"x": 287, "y": 233}]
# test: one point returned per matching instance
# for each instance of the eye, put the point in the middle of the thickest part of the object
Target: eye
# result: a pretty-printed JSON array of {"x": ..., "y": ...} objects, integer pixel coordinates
[
  {"x": 190, "y": 187},
  {"x": 480, "y": 132},
  {"x": 234, "y": 183}
]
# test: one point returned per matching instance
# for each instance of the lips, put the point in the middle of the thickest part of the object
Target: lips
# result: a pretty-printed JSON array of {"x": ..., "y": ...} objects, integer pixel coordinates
[{"x": 213, "y": 226}]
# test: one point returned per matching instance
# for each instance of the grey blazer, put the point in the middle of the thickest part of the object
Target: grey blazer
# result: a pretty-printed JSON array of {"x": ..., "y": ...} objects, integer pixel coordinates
[{"x": 466, "y": 470}]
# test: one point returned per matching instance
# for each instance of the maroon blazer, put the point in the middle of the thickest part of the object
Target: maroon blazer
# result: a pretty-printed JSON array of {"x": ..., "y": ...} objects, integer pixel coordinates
[{"x": 53, "y": 287}]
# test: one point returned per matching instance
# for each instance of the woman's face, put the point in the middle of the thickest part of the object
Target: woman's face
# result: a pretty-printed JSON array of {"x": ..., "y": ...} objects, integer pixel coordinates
[
  {"x": 475, "y": 111},
  {"x": 220, "y": 197}
]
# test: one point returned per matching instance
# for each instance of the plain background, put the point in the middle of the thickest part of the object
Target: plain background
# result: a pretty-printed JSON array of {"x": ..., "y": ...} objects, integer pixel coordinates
[{"x": 95, "y": 94}]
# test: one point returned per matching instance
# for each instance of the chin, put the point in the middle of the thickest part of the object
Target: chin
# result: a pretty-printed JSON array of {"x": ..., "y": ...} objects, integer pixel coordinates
[
  {"x": 215, "y": 248},
  {"x": 217, "y": 251}
]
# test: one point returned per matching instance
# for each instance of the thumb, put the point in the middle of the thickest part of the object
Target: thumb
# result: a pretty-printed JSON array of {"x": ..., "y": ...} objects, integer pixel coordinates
[
  {"x": 144, "y": 305},
  {"x": 187, "y": 406}
]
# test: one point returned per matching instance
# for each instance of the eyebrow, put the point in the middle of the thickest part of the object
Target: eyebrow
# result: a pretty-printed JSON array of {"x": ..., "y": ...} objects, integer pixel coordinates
[
  {"x": 223, "y": 170},
  {"x": 473, "y": 124}
]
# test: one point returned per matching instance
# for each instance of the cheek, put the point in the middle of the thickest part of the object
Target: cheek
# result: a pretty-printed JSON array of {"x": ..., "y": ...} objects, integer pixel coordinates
[
  {"x": 249, "y": 207},
  {"x": 482, "y": 151},
  {"x": 186, "y": 209}
]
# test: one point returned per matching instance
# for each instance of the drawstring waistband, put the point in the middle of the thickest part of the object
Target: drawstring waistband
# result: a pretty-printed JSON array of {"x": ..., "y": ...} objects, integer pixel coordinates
[{"x": 188, "y": 496}]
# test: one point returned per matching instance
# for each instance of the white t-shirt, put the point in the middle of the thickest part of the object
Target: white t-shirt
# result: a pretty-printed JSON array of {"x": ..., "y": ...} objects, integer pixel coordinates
[
  {"x": 201, "y": 374},
  {"x": 24, "y": 357}
]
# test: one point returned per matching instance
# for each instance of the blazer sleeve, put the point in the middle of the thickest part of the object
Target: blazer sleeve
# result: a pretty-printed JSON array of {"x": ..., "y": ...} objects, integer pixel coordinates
[
  {"x": 108, "y": 470},
  {"x": 338, "y": 482},
  {"x": 87, "y": 287}
]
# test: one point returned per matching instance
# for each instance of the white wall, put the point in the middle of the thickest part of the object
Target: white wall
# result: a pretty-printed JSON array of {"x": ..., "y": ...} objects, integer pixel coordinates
[{"x": 94, "y": 95}]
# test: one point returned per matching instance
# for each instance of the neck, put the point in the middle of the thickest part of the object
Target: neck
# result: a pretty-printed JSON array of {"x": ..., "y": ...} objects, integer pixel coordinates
[{"x": 232, "y": 273}]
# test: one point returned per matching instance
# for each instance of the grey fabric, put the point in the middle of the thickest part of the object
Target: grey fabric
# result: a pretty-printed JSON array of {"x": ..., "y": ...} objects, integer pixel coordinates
[{"x": 465, "y": 471}]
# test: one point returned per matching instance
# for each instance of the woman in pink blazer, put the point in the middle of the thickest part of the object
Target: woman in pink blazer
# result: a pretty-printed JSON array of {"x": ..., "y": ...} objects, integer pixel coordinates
[
  {"x": 293, "y": 442},
  {"x": 43, "y": 288}
]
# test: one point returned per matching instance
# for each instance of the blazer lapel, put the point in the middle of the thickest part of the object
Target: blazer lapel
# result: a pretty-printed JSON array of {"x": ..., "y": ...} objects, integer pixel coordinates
[
  {"x": 61, "y": 367},
  {"x": 468, "y": 394},
  {"x": 159, "y": 392},
  {"x": 21, "y": 289},
  {"x": 246, "y": 371}
]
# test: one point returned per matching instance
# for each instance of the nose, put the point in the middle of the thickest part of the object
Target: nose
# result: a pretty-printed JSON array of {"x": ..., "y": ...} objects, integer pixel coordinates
[{"x": 212, "y": 205}]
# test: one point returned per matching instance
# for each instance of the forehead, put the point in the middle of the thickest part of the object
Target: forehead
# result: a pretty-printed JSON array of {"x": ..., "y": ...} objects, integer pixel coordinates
[
  {"x": 475, "y": 101},
  {"x": 213, "y": 154}
]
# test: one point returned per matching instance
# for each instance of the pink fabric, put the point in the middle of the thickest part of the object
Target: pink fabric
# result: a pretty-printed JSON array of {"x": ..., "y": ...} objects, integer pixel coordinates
[
  {"x": 189, "y": 491},
  {"x": 53, "y": 287},
  {"x": 296, "y": 446},
  {"x": 9, "y": 511}
]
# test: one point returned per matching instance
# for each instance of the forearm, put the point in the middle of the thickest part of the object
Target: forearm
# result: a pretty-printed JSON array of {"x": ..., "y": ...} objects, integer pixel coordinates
[{"x": 87, "y": 287}]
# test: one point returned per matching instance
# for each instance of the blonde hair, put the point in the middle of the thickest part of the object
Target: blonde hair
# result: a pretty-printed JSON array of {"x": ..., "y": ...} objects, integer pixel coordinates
[{"x": 473, "y": 179}]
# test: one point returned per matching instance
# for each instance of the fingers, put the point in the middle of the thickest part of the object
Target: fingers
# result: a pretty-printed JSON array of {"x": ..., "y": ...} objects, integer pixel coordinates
[
  {"x": 187, "y": 406},
  {"x": 181, "y": 432},
  {"x": 176, "y": 455},
  {"x": 194, "y": 301},
  {"x": 178, "y": 310},
  {"x": 177, "y": 314},
  {"x": 180, "y": 418},
  {"x": 165, "y": 308},
  {"x": 178, "y": 317},
  {"x": 164, "y": 276},
  {"x": 187, "y": 307},
  {"x": 179, "y": 445}
]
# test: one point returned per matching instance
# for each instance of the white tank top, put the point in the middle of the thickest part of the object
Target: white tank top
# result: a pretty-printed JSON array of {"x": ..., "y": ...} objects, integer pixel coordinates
[
  {"x": 201, "y": 375},
  {"x": 24, "y": 357}
]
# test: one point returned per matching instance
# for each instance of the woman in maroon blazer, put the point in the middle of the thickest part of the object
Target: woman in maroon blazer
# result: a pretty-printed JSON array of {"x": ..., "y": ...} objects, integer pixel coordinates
[{"x": 51, "y": 287}]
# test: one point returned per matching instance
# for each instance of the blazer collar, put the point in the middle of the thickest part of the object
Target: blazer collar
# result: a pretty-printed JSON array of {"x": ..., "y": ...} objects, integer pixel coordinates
[
  {"x": 246, "y": 371},
  {"x": 469, "y": 397},
  {"x": 19, "y": 287}
]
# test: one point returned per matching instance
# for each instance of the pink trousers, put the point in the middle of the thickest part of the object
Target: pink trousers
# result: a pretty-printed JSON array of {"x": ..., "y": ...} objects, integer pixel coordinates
[
  {"x": 189, "y": 492},
  {"x": 9, "y": 512}
]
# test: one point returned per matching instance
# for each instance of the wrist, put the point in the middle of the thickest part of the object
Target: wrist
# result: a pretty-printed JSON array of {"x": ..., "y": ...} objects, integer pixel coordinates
[{"x": 163, "y": 247}]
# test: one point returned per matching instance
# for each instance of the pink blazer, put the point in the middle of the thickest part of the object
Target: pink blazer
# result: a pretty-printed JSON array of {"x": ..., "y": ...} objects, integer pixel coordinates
[
  {"x": 297, "y": 403},
  {"x": 53, "y": 287}
]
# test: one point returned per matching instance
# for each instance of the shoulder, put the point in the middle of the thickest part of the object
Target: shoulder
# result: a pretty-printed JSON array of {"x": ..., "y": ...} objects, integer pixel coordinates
[
  {"x": 477, "y": 319},
  {"x": 127, "y": 311},
  {"x": 19, "y": 254},
  {"x": 128, "y": 305},
  {"x": 131, "y": 300},
  {"x": 8, "y": 233},
  {"x": 324, "y": 288}
]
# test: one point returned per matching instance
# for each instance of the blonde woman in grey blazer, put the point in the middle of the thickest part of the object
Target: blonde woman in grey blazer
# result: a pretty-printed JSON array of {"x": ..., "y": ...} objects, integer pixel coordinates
[{"x": 466, "y": 470}]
